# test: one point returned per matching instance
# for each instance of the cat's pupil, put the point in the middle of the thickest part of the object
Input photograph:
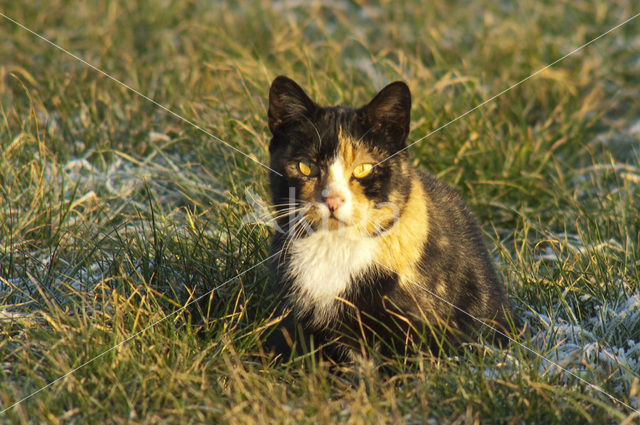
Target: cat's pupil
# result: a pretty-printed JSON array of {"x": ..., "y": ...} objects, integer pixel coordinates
[{"x": 362, "y": 170}]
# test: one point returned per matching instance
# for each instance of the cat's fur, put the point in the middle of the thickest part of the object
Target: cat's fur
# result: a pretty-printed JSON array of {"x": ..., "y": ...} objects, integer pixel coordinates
[{"x": 376, "y": 261}]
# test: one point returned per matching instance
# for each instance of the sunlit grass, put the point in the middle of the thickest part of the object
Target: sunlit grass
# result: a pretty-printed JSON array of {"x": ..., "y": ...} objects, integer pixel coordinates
[{"x": 115, "y": 214}]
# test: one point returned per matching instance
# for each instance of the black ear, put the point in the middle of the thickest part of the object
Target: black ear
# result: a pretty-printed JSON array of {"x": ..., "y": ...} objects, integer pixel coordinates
[
  {"x": 390, "y": 111},
  {"x": 287, "y": 103}
]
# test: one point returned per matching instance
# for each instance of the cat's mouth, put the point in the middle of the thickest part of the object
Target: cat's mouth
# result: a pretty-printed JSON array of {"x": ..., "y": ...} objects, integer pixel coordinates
[
  {"x": 366, "y": 221},
  {"x": 335, "y": 223},
  {"x": 327, "y": 220},
  {"x": 331, "y": 222}
]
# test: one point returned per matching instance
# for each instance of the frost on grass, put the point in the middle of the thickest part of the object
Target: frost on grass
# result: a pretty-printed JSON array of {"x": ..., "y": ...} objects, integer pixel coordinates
[
  {"x": 125, "y": 178},
  {"x": 594, "y": 348},
  {"x": 95, "y": 208},
  {"x": 591, "y": 329}
]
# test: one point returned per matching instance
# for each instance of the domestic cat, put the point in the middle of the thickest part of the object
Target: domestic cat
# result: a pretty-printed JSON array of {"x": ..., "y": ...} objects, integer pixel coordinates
[{"x": 372, "y": 252}]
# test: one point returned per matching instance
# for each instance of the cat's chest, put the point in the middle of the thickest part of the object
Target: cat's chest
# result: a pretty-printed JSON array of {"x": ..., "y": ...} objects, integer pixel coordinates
[{"x": 323, "y": 265}]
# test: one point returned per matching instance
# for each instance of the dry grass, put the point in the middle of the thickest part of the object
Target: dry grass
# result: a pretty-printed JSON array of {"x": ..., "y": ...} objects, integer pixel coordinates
[{"x": 115, "y": 214}]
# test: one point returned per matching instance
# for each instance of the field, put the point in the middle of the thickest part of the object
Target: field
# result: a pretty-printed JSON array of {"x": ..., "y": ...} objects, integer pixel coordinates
[{"x": 118, "y": 218}]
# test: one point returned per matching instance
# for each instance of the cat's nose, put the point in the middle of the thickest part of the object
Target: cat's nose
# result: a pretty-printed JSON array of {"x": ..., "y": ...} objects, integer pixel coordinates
[{"x": 333, "y": 202}]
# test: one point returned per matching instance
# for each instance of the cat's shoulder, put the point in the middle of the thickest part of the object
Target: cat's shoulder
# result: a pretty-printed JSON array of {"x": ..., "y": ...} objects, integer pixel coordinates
[
  {"x": 434, "y": 187},
  {"x": 444, "y": 203}
]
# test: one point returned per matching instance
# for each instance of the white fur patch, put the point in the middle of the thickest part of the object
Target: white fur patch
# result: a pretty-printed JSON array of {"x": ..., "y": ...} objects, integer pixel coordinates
[
  {"x": 323, "y": 265},
  {"x": 338, "y": 184}
]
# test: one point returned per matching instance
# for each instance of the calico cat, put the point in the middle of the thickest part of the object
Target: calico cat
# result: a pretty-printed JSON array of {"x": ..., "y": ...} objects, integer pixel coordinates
[{"x": 372, "y": 252}]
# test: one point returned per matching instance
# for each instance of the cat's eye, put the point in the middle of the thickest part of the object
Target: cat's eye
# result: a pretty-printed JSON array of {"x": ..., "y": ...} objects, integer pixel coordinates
[
  {"x": 308, "y": 169},
  {"x": 362, "y": 170}
]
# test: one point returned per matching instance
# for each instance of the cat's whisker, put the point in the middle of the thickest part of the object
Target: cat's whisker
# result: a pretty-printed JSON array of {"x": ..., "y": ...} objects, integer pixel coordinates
[
  {"x": 294, "y": 220},
  {"x": 283, "y": 214},
  {"x": 294, "y": 206},
  {"x": 359, "y": 139},
  {"x": 297, "y": 213},
  {"x": 315, "y": 128},
  {"x": 292, "y": 231},
  {"x": 285, "y": 248},
  {"x": 293, "y": 234},
  {"x": 286, "y": 204},
  {"x": 289, "y": 204},
  {"x": 368, "y": 221},
  {"x": 285, "y": 208}
]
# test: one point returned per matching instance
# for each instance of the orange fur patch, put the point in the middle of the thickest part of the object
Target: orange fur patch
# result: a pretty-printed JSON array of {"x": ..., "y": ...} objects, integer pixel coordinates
[
  {"x": 369, "y": 217},
  {"x": 401, "y": 247},
  {"x": 352, "y": 153}
]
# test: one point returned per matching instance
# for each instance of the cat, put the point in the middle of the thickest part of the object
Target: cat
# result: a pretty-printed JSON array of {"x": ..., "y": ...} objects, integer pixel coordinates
[{"x": 372, "y": 253}]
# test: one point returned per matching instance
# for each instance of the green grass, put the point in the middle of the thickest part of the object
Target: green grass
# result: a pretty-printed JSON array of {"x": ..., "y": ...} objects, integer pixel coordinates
[{"x": 115, "y": 214}]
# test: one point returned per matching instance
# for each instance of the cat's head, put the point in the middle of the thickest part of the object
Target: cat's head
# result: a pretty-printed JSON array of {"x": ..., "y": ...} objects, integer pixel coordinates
[{"x": 334, "y": 161}]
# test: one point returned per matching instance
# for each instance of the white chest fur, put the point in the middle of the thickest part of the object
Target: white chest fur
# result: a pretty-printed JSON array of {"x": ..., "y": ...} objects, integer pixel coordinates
[{"x": 324, "y": 264}]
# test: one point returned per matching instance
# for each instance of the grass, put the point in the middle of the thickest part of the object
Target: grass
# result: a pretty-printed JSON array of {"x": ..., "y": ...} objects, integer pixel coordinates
[{"x": 115, "y": 214}]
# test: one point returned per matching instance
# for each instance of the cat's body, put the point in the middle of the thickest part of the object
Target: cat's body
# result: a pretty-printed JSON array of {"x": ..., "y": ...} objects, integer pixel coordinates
[{"x": 372, "y": 252}]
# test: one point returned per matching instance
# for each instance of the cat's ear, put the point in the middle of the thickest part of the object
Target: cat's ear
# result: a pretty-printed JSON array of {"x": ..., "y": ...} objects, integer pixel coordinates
[
  {"x": 390, "y": 111},
  {"x": 287, "y": 103}
]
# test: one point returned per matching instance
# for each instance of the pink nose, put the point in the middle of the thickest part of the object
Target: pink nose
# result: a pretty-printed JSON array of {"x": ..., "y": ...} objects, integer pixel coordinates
[{"x": 334, "y": 202}]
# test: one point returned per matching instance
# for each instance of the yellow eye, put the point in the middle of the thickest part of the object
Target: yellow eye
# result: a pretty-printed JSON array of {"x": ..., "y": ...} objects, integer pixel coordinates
[
  {"x": 362, "y": 170},
  {"x": 306, "y": 168}
]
